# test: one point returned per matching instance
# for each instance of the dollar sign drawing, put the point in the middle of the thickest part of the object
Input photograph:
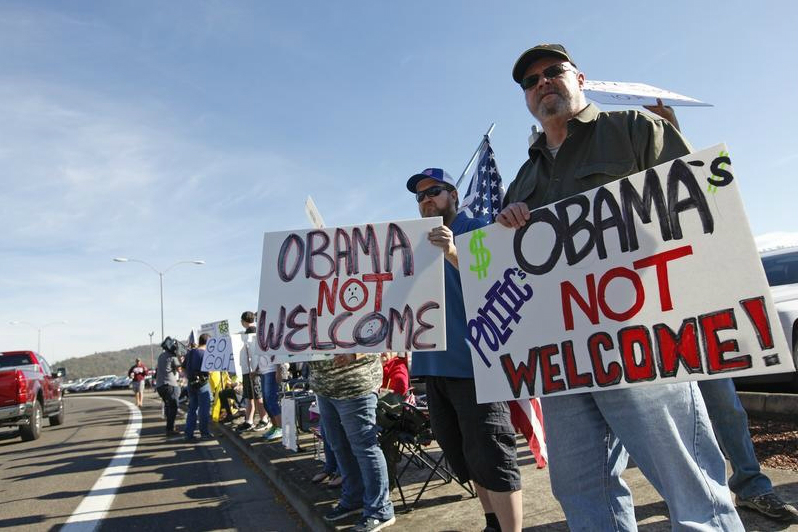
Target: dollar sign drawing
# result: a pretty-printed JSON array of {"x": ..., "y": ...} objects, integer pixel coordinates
[
  {"x": 713, "y": 188},
  {"x": 481, "y": 254}
]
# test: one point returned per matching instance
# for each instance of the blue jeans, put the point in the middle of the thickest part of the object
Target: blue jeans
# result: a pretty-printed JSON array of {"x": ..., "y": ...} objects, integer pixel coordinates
[
  {"x": 330, "y": 464},
  {"x": 199, "y": 399},
  {"x": 665, "y": 429},
  {"x": 350, "y": 426},
  {"x": 269, "y": 388},
  {"x": 731, "y": 429}
]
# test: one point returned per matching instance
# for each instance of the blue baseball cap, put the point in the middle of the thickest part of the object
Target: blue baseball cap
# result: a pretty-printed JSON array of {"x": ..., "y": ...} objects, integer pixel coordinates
[{"x": 437, "y": 174}]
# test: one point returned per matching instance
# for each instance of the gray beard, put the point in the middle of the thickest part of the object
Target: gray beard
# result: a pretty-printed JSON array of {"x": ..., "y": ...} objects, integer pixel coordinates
[{"x": 553, "y": 109}]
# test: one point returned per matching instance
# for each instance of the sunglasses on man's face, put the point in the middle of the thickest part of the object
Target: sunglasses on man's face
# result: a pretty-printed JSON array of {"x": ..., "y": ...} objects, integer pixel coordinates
[
  {"x": 551, "y": 72},
  {"x": 430, "y": 192}
]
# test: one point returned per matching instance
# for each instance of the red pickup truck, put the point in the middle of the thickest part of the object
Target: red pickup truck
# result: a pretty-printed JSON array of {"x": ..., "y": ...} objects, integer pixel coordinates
[{"x": 29, "y": 390}]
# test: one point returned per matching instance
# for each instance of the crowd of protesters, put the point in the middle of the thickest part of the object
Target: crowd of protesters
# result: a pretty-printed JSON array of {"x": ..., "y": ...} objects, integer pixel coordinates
[{"x": 676, "y": 436}]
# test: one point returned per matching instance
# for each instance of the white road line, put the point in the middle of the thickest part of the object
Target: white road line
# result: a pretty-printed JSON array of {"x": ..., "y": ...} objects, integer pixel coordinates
[{"x": 92, "y": 509}]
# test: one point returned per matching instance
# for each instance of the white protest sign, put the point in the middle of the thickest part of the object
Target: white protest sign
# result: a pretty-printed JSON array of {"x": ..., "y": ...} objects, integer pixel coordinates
[
  {"x": 288, "y": 417},
  {"x": 313, "y": 213},
  {"x": 251, "y": 356},
  {"x": 366, "y": 288},
  {"x": 650, "y": 279},
  {"x": 221, "y": 351},
  {"x": 623, "y": 93},
  {"x": 315, "y": 219}
]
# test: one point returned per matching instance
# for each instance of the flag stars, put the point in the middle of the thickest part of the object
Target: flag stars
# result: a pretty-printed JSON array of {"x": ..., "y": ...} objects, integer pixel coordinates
[{"x": 485, "y": 193}]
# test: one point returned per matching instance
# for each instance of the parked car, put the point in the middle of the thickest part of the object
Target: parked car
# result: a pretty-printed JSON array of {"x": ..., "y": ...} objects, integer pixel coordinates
[
  {"x": 121, "y": 383},
  {"x": 105, "y": 384},
  {"x": 83, "y": 385},
  {"x": 89, "y": 384},
  {"x": 29, "y": 391},
  {"x": 781, "y": 270},
  {"x": 69, "y": 387}
]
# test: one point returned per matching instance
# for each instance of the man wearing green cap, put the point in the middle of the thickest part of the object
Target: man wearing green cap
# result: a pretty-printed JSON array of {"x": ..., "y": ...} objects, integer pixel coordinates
[{"x": 664, "y": 428}]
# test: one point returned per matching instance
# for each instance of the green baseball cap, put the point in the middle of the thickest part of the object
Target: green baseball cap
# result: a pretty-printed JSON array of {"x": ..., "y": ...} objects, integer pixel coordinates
[{"x": 533, "y": 54}]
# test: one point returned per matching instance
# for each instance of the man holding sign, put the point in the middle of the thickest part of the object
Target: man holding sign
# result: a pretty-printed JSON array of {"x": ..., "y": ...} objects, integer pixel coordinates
[
  {"x": 752, "y": 488},
  {"x": 477, "y": 439},
  {"x": 665, "y": 428}
]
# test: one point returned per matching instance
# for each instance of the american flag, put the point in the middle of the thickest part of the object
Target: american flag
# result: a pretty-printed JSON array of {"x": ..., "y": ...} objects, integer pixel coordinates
[
  {"x": 485, "y": 193},
  {"x": 483, "y": 199}
]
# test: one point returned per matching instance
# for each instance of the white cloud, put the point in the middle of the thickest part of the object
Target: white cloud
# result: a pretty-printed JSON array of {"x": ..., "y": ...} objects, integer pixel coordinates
[{"x": 90, "y": 178}]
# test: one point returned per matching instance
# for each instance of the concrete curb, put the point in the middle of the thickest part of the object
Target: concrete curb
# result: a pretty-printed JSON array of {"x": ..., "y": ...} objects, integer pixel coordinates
[
  {"x": 769, "y": 404},
  {"x": 447, "y": 509},
  {"x": 292, "y": 493}
]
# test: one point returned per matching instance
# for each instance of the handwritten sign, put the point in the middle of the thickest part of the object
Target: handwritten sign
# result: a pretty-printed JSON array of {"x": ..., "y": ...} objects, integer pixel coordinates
[
  {"x": 366, "y": 288},
  {"x": 622, "y": 93},
  {"x": 288, "y": 411},
  {"x": 221, "y": 352},
  {"x": 653, "y": 278},
  {"x": 313, "y": 214}
]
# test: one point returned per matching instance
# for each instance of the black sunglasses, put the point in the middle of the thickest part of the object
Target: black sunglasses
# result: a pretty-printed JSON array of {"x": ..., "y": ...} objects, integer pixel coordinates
[
  {"x": 430, "y": 192},
  {"x": 549, "y": 73}
]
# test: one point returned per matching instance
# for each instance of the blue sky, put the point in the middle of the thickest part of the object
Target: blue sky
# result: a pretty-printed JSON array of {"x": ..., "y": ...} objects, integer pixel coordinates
[{"x": 169, "y": 131}]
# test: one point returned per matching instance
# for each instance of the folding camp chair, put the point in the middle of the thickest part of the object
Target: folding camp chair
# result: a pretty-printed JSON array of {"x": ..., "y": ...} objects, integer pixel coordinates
[{"x": 408, "y": 434}]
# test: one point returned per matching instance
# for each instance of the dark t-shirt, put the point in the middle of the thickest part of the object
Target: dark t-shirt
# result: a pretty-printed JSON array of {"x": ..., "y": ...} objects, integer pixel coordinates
[{"x": 193, "y": 363}]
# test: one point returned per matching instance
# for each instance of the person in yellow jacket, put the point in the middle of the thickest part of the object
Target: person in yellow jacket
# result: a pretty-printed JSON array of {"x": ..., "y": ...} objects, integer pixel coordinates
[{"x": 219, "y": 380}]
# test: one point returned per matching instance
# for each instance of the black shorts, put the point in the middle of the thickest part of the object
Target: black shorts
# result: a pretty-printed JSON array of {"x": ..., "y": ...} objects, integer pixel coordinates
[
  {"x": 477, "y": 439},
  {"x": 252, "y": 389}
]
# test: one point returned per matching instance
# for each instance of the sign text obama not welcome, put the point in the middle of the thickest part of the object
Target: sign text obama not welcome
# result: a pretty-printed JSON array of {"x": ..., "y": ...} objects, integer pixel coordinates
[{"x": 652, "y": 278}]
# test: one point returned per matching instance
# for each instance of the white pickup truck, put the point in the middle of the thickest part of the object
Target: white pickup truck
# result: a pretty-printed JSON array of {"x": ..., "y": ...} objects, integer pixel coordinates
[{"x": 781, "y": 269}]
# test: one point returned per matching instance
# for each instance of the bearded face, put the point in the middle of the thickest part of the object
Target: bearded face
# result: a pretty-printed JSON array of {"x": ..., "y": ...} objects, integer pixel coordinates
[{"x": 558, "y": 96}]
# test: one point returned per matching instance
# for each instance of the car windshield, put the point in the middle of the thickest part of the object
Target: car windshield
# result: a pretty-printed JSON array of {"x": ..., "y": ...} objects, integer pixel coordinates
[
  {"x": 782, "y": 268},
  {"x": 9, "y": 361}
]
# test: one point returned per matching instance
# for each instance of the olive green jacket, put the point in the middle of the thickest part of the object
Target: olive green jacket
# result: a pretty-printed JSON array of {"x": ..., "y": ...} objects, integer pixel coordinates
[{"x": 600, "y": 147}]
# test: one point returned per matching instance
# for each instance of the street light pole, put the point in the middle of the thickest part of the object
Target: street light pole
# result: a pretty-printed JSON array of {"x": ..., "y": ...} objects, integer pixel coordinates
[
  {"x": 38, "y": 330},
  {"x": 152, "y": 356},
  {"x": 160, "y": 274},
  {"x": 160, "y": 277}
]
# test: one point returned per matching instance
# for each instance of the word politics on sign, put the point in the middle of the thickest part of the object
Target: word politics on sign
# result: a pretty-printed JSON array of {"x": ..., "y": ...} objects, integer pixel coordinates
[
  {"x": 334, "y": 286},
  {"x": 492, "y": 324},
  {"x": 599, "y": 320}
]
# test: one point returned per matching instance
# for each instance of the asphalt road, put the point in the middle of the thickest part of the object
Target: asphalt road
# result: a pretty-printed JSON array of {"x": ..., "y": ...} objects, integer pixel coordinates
[{"x": 168, "y": 484}]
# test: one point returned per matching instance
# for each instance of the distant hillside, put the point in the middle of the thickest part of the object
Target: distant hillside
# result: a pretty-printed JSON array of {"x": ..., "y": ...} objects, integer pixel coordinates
[{"x": 106, "y": 363}]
